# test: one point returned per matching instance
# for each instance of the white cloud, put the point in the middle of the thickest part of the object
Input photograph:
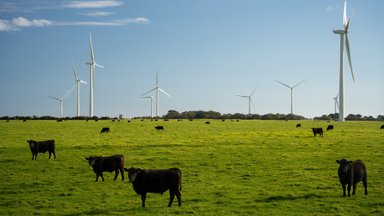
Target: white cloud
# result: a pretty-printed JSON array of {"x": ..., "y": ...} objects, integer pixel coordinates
[
  {"x": 20, "y": 22},
  {"x": 92, "y": 4},
  {"x": 97, "y": 13}
]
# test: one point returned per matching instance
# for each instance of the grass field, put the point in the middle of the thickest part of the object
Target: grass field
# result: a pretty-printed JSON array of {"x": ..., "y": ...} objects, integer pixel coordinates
[{"x": 228, "y": 168}]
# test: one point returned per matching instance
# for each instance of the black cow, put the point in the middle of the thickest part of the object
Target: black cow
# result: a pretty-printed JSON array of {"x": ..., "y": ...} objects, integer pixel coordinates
[
  {"x": 105, "y": 130},
  {"x": 330, "y": 127},
  {"x": 159, "y": 128},
  {"x": 42, "y": 147},
  {"x": 207, "y": 122},
  {"x": 351, "y": 173},
  {"x": 298, "y": 126},
  {"x": 317, "y": 131},
  {"x": 156, "y": 181},
  {"x": 109, "y": 164},
  {"x": 382, "y": 127}
]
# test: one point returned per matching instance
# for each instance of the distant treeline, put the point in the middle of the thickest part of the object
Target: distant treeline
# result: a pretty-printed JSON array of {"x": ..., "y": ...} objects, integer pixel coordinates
[{"x": 173, "y": 114}]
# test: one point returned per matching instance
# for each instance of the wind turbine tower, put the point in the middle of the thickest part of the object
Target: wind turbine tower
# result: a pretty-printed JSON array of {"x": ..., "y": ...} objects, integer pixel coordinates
[
  {"x": 343, "y": 42},
  {"x": 157, "y": 89},
  {"x": 291, "y": 87},
  {"x": 249, "y": 100},
  {"x": 151, "y": 98},
  {"x": 77, "y": 83},
  {"x": 92, "y": 65}
]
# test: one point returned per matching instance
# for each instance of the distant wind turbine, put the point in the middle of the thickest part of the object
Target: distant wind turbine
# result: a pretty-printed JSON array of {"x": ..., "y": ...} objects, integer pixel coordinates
[
  {"x": 249, "y": 100},
  {"x": 151, "y": 98},
  {"x": 291, "y": 87},
  {"x": 77, "y": 83},
  {"x": 92, "y": 64},
  {"x": 157, "y": 89},
  {"x": 343, "y": 35},
  {"x": 336, "y": 103},
  {"x": 61, "y": 100}
]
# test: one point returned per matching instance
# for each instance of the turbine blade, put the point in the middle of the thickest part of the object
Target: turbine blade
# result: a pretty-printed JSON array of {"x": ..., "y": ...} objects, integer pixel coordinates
[
  {"x": 349, "y": 55},
  {"x": 253, "y": 92},
  {"x": 253, "y": 105},
  {"x": 345, "y": 19},
  {"x": 81, "y": 81},
  {"x": 92, "y": 54},
  {"x": 74, "y": 71},
  {"x": 283, "y": 84},
  {"x": 242, "y": 96},
  {"x": 68, "y": 92},
  {"x": 299, "y": 83},
  {"x": 55, "y": 98},
  {"x": 100, "y": 66},
  {"x": 164, "y": 92},
  {"x": 149, "y": 91}
]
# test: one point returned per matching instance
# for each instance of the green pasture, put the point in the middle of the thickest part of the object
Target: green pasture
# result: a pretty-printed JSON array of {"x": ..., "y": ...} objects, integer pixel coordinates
[{"x": 228, "y": 168}]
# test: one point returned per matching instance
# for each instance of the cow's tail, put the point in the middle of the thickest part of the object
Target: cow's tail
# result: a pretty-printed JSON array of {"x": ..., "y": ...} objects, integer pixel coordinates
[{"x": 180, "y": 179}]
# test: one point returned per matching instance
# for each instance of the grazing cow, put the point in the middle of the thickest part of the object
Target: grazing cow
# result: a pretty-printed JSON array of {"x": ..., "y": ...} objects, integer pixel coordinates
[
  {"x": 107, "y": 164},
  {"x": 298, "y": 126},
  {"x": 105, "y": 130},
  {"x": 159, "y": 128},
  {"x": 317, "y": 131},
  {"x": 207, "y": 122},
  {"x": 382, "y": 127},
  {"x": 330, "y": 127},
  {"x": 156, "y": 181},
  {"x": 351, "y": 173},
  {"x": 59, "y": 120},
  {"x": 42, "y": 146}
]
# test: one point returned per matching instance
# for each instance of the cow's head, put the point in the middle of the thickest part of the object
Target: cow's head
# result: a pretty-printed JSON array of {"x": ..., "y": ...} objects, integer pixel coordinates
[
  {"x": 132, "y": 173},
  {"x": 31, "y": 143},
  {"x": 343, "y": 165},
  {"x": 91, "y": 160}
]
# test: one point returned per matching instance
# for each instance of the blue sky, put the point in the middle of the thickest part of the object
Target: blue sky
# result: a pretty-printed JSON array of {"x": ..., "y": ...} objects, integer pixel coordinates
[{"x": 206, "y": 52}]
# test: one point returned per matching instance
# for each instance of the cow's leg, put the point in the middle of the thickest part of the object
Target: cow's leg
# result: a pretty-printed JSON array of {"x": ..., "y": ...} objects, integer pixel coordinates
[
  {"x": 178, "y": 195},
  {"x": 344, "y": 195},
  {"x": 49, "y": 154},
  {"x": 122, "y": 173},
  {"x": 54, "y": 154},
  {"x": 143, "y": 196},
  {"x": 354, "y": 188},
  {"x": 349, "y": 189},
  {"x": 171, "y": 197},
  {"x": 35, "y": 156},
  {"x": 365, "y": 185},
  {"x": 101, "y": 175},
  {"x": 97, "y": 177},
  {"x": 116, "y": 174}
]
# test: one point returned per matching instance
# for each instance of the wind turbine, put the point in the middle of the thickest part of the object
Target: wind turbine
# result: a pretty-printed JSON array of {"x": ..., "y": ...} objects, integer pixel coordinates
[
  {"x": 336, "y": 103},
  {"x": 291, "y": 87},
  {"x": 61, "y": 100},
  {"x": 77, "y": 83},
  {"x": 157, "y": 89},
  {"x": 249, "y": 100},
  {"x": 92, "y": 65},
  {"x": 343, "y": 41},
  {"x": 151, "y": 98}
]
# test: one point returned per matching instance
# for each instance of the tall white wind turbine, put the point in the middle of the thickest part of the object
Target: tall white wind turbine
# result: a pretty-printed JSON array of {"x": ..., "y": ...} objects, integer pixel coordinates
[
  {"x": 343, "y": 42},
  {"x": 61, "y": 100},
  {"x": 92, "y": 65},
  {"x": 157, "y": 89},
  {"x": 151, "y": 98},
  {"x": 249, "y": 100},
  {"x": 78, "y": 82},
  {"x": 291, "y": 87}
]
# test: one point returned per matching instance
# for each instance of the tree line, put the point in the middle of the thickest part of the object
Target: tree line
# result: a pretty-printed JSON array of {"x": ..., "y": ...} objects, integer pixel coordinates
[{"x": 173, "y": 114}]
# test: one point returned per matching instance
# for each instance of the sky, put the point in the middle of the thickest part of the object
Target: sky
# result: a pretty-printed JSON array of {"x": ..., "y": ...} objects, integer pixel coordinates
[{"x": 205, "y": 51}]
